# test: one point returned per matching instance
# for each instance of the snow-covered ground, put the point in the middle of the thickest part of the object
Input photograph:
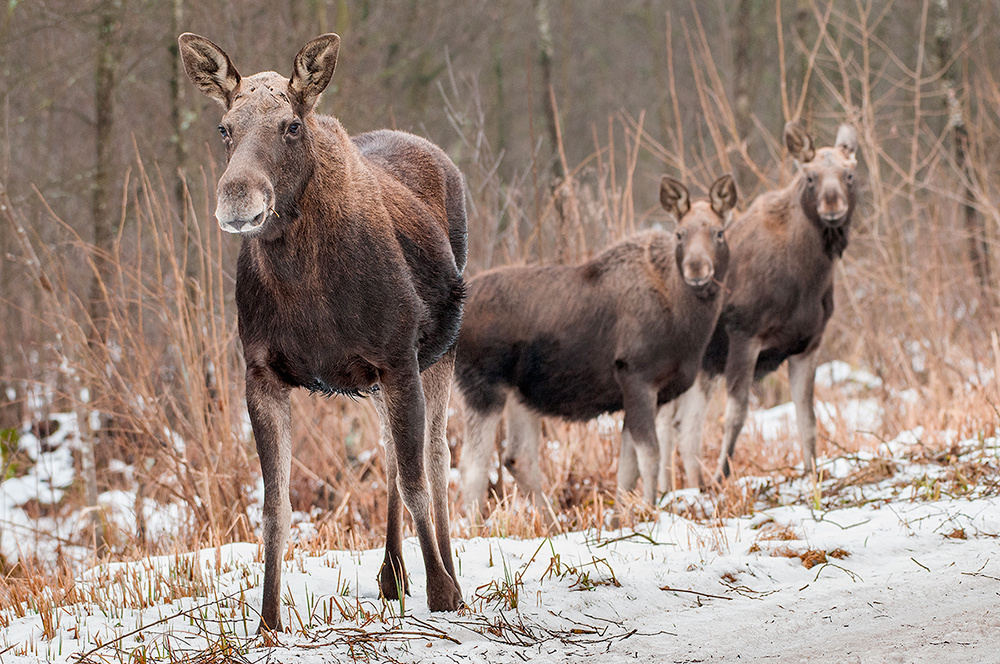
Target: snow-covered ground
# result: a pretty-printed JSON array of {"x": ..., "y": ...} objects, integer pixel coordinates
[{"x": 892, "y": 557}]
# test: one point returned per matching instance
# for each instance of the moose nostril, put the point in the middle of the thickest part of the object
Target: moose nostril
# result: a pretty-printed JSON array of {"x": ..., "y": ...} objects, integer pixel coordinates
[{"x": 698, "y": 273}]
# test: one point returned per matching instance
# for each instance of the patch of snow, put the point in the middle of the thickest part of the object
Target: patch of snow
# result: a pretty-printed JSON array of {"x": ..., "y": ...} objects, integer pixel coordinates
[
  {"x": 916, "y": 578},
  {"x": 837, "y": 373},
  {"x": 677, "y": 582},
  {"x": 608, "y": 425}
]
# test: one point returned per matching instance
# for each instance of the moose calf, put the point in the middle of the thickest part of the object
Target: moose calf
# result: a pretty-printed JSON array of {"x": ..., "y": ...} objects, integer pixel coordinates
[
  {"x": 778, "y": 299},
  {"x": 349, "y": 281},
  {"x": 625, "y": 330}
]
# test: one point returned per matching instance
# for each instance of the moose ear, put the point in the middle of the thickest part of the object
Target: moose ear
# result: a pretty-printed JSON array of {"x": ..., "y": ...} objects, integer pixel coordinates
[
  {"x": 314, "y": 67},
  {"x": 799, "y": 144},
  {"x": 674, "y": 197},
  {"x": 723, "y": 197},
  {"x": 209, "y": 68},
  {"x": 847, "y": 141}
]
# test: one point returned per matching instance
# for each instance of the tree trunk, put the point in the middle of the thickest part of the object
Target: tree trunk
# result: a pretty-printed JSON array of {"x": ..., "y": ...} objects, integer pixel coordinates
[
  {"x": 743, "y": 38},
  {"x": 177, "y": 115},
  {"x": 545, "y": 52},
  {"x": 657, "y": 45},
  {"x": 104, "y": 237},
  {"x": 104, "y": 225},
  {"x": 975, "y": 227}
]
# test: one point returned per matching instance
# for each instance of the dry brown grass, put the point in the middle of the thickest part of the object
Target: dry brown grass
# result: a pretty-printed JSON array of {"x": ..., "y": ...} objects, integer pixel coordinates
[{"x": 809, "y": 557}]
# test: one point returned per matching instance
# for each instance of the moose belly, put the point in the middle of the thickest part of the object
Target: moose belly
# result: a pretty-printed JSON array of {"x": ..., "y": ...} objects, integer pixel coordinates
[
  {"x": 576, "y": 398},
  {"x": 352, "y": 376}
]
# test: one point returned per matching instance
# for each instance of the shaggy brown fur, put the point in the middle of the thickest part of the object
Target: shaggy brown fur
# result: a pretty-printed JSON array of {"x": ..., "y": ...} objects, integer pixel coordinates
[
  {"x": 349, "y": 281},
  {"x": 625, "y": 330}
]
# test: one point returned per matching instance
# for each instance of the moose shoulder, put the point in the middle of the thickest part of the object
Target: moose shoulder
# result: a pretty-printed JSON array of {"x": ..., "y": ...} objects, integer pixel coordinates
[{"x": 349, "y": 280}]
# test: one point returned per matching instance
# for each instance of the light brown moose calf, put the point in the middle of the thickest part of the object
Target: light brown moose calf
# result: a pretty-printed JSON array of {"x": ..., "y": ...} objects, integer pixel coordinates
[
  {"x": 625, "y": 330},
  {"x": 778, "y": 299},
  {"x": 349, "y": 281}
]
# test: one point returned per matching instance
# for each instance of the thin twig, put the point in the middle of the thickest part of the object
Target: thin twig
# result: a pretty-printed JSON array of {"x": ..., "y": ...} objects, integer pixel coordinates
[{"x": 694, "y": 592}]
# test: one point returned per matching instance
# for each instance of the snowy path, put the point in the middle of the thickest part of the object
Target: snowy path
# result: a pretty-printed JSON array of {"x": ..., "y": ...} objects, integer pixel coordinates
[{"x": 905, "y": 593}]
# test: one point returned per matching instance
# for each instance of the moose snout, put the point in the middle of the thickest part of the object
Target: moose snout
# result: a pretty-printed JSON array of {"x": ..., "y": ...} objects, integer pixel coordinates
[
  {"x": 242, "y": 208},
  {"x": 833, "y": 218},
  {"x": 832, "y": 209},
  {"x": 698, "y": 273}
]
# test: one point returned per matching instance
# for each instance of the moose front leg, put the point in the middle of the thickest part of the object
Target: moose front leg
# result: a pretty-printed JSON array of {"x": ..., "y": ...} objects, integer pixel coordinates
[
  {"x": 403, "y": 398},
  {"x": 270, "y": 416},
  {"x": 639, "y": 436},
  {"x": 524, "y": 435},
  {"x": 474, "y": 464},
  {"x": 740, "y": 365},
  {"x": 393, "y": 581}
]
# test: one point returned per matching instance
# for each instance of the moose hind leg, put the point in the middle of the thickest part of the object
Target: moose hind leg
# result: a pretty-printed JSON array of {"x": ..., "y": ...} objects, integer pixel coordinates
[
  {"x": 690, "y": 424},
  {"x": 404, "y": 402},
  {"x": 666, "y": 435},
  {"x": 437, "y": 391},
  {"x": 521, "y": 459},
  {"x": 628, "y": 466},
  {"x": 270, "y": 416},
  {"x": 477, "y": 455}
]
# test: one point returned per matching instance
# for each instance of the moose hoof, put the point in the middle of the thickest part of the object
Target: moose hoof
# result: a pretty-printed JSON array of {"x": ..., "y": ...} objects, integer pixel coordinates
[
  {"x": 392, "y": 581},
  {"x": 446, "y": 598}
]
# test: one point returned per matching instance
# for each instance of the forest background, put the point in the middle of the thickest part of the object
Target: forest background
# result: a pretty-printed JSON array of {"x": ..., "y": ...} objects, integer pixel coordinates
[{"x": 116, "y": 285}]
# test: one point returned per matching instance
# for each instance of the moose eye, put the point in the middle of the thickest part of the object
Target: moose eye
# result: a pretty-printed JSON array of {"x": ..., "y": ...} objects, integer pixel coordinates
[
  {"x": 293, "y": 128},
  {"x": 720, "y": 235},
  {"x": 811, "y": 180},
  {"x": 224, "y": 132},
  {"x": 680, "y": 236},
  {"x": 850, "y": 178}
]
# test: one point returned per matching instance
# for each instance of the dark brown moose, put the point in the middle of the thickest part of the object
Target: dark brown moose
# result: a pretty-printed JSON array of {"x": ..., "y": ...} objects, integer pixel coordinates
[
  {"x": 625, "y": 330},
  {"x": 349, "y": 281},
  {"x": 779, "y": 297}
]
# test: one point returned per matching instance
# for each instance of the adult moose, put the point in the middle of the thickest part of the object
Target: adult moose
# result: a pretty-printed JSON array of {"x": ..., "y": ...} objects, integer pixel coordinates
[
  {"x": 621, "y": 331},
  {"x": 349, "y": 281},
  {"x": 779, "y": 297}
]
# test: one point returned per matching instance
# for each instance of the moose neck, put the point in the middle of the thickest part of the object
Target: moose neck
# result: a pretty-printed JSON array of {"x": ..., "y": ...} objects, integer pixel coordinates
[
  {"x": 311, "y": 222},
  {"x": 309, "y": 210}
]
